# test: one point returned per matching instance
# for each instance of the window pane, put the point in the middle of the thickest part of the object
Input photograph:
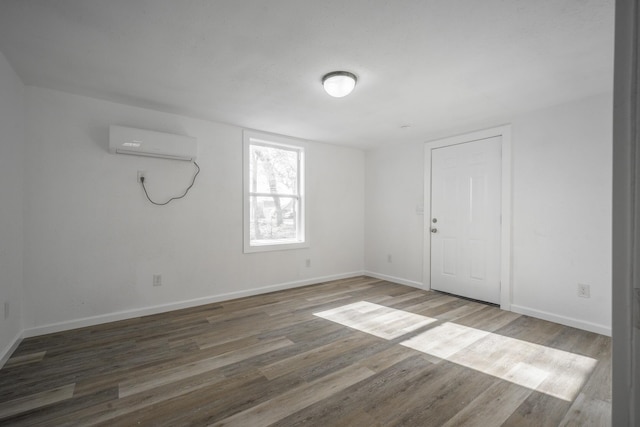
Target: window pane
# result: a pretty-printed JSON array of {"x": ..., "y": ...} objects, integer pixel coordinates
[
  {"x": 273, "y": 170},
  {"x": 274, "y": 205},
  {"x": 273, "y": 218}
]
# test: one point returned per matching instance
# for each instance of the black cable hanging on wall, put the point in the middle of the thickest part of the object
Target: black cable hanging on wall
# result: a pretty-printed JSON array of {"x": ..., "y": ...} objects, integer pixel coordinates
[{"x": 193, "y": 181}]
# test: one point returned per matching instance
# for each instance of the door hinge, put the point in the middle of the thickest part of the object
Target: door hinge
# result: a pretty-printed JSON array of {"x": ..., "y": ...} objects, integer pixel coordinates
[{"x": 636, "y": 307}]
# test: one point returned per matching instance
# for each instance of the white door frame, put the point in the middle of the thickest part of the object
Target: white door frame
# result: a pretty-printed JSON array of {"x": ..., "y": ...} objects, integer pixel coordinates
[
  {"x": 626, "y": 209},
  {"x": 505, "y": 231}
]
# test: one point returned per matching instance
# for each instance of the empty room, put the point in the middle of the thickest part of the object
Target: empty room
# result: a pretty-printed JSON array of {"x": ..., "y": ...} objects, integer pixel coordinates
[{"x": 362, "y": 213}]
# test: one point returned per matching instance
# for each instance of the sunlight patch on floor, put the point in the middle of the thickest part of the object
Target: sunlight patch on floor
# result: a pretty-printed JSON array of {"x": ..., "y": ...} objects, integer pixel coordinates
[
  {"x": 375, "y": 319},
  {"x": 551, "y": 371},
  {"x": 445, "y": 340}
]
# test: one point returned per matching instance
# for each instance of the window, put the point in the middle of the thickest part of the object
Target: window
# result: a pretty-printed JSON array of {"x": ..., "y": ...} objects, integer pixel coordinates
[{"x": 274, "y": 211}]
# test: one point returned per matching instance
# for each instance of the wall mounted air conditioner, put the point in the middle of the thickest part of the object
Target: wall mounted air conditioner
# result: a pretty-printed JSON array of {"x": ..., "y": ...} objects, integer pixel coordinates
[{"x": 140, "y": 142}]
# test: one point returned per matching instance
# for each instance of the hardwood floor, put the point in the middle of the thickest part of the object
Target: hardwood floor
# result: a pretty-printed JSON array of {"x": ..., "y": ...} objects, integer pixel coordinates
[{"x": 355, "y": 352}]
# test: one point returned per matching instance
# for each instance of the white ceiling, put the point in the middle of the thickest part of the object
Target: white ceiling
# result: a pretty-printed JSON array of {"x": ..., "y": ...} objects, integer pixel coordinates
[{"x": 440, "y": 66}]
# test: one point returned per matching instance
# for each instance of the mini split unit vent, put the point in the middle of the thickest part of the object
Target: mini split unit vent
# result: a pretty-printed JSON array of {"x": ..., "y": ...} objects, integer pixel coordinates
[{"x": 140, "y": 142}]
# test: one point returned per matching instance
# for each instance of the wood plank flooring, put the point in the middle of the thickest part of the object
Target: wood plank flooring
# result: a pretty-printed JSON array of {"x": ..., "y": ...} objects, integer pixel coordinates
[{"x": 354, "y": 352}]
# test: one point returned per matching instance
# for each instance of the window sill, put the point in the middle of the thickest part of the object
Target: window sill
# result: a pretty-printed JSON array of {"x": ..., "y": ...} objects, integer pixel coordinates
[{"x": 270, "y": 247}]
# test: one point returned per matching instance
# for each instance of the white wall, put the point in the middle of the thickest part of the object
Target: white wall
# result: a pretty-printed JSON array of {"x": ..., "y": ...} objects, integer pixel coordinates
[
  {"x": 561, "y": 232},
  {"x": 93, "y": 242},
  {"x": 11, "y": 192},
  {"x": 562, "y": 169},
  {"x": 394, "y": 189}
]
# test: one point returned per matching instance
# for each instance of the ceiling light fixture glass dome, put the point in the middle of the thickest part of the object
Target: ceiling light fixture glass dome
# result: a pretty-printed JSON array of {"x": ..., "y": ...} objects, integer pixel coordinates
[{"x": 339, "y": 83}]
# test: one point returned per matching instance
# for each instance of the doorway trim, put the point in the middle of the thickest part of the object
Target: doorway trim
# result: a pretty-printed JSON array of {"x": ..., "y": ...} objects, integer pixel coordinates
[{"x": 505, "y": 200}]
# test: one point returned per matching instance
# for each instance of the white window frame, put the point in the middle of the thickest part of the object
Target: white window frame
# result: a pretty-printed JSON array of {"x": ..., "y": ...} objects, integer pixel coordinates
[{"x": 276, "y": 141}]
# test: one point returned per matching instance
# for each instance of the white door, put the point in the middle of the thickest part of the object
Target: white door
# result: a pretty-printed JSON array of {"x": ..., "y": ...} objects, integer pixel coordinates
[{"x": 465, "y": 219}]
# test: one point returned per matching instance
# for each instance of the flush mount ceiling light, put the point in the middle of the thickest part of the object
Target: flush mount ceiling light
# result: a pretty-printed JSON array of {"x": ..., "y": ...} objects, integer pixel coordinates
[{"x": 339, "y": 83}]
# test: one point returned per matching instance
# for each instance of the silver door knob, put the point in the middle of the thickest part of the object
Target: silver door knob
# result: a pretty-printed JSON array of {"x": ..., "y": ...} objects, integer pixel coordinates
[{"x": 434, "y": 230}]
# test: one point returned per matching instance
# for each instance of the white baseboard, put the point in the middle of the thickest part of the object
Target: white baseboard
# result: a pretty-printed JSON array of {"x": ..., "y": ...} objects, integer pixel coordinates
[
  {"x": 393, "y": 279},
  {"x": 8, "y": 350},
  {"x": 539, "y": 314},
  {"x": 146, "y": 311},
  {"x": 563, "y": 320}
]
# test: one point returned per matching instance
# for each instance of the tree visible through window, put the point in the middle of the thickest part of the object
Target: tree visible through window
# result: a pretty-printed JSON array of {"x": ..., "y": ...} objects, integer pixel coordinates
[{"x": 275, "y": 205}]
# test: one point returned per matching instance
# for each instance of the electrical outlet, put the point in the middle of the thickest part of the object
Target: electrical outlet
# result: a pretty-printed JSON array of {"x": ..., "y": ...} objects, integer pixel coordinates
[
  {"x": 389, "y": 258},
  {"x": 157, "y": 280},
  {"x": 584, "y": 291},
  {"x": 308, "y": 263},
  {"x": 141, "y": 174}
]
